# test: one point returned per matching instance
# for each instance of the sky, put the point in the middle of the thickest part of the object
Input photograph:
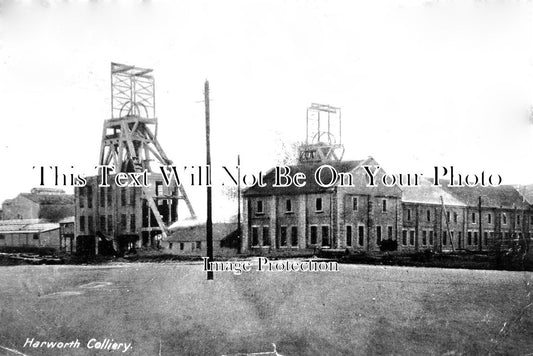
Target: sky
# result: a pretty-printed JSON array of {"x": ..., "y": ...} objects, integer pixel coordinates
[{"x": 420, "y": 83}]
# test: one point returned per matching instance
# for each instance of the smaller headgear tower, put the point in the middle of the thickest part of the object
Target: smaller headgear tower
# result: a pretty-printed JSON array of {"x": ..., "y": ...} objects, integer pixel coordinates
[{"x": 323, "y": 140}]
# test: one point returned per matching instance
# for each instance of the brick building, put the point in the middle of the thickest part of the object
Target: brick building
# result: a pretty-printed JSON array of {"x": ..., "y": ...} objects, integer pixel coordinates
[
  {"x": 315, "y": 217},
  {"x": 360, "y": 217},
  {"x": 121, "y": 215},
  {"x": 40, "y": 203}
]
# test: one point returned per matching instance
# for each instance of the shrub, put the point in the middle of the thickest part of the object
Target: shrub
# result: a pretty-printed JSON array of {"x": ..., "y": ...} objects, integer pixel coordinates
[{"x": 388, "y": 245}]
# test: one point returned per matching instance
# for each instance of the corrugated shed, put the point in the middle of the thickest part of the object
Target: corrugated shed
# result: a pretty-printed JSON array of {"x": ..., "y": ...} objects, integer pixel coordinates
[{"x": 26, "y": 226}]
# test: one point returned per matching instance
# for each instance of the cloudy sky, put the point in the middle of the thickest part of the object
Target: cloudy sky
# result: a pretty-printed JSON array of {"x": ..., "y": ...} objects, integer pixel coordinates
[{"x": 420, "y": 83}]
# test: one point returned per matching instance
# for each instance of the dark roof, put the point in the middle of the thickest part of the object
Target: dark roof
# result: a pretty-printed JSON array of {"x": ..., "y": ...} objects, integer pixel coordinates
[
  {"x": 502, "y": 196},
  {"x": 49, "y": 199},
  {"x": 526, "y": 191},
  {"x": 427, "y": 193},
  {"x": 311, "y": 185}
]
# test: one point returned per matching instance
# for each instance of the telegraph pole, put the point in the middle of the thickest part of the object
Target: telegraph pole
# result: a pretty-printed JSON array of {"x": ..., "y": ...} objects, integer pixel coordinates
[
  {"x": 239, "y": 200},
  {"x": 480, "y": 246},
  {"x": 209, "y": 223}
]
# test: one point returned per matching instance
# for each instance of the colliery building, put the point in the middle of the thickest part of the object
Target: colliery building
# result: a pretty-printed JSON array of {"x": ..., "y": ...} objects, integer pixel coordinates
[
  {"x": 123, "y": 216},
  {"x": 360, "y": 217},
  {"x": 363, "y": 218},
  {"x": 111, "y": 219},
  {"x": 41, "y": 203},
  {"x": 29, "y": 233}
]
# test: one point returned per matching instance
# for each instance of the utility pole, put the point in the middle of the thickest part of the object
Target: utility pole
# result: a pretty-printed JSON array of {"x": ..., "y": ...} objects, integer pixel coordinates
[
  {"x": 209, "y": 223},
  {"x": 239, "y": 200},
  {"x": 447, "y": 223},
  {"x": 480, "y": 246}
]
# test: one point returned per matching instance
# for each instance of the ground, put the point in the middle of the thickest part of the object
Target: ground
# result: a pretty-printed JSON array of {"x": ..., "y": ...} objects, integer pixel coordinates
[{"x": 170, "y": 309}]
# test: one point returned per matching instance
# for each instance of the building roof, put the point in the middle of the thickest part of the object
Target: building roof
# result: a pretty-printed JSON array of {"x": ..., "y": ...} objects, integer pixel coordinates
[
  {"x": 502, "y": 196},
  {"x": 26, "y": 226},
  {"x": 49, "y": 199},
  {"x": 311, "y": 185},
  {"x": 198, "y": 232},
  {"x": 526, "y": 191},
  {"x": 67, "y": 220},
  {"x": 427, "y": 193}
]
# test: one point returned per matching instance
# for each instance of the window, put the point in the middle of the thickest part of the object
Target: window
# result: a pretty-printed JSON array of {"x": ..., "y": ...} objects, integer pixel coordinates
[
  {"x": 2, "y": 237},
  {"x": 199, "y": 245},
  {"x": 103, "y": 225},
  {"x": 428, "y": 215},
  {"x": 473, "y": 218},
  {"x": 469, "y": 238},
  {"x": 255, "y": 236},
  {"x": 504, "y": 219},
  {"x": 404, "y": 237},
  {"x": 518, "y": 220},
  {"x": 444, "y": 238},
  {"x": 314, "y": 233},
  {"x": 266, "y": 236},
  {"x": 475, "y": 237},
  {"x": 485, "y": 238},
  {"x": 455, "y": 217},
  {"x": 109, "y": 197},
  {"x": 361, "y": 235},
  {"x": 36, "y": 236},
  {"x": 123, "y": 196},
  {"x": 182, "y": 245},
  {"x": 288, "y": 206},
  {"x": 411, "y": 237},
  {"x": 89, "y": 197},
  {"x": 389, "y": 232},
  {"x": 102, "y": 197},
  {"x": 384, "y": 205},
  {"x": 294, "y": 236},
  {"x": 378, "y": 234},
  {"x": 489, "y": 218},
  {"x": 123, "y": 222},
  {"x": 355, "y": 206},
  {"x": 81, "y": 193},
  {"x": 259, "y": 206},
  {"x": 90, "y": 224},
  {"x": 318, "y": 204},
  {"x": 159, "y": 188},
  {"x": 132, "y": 196},
  {"x": 431, "y": 237},
  {"x": 424, "y": 237},
  {"x": 349, "y": 235},
  {"x": 325, "y": 236},
  {"x": 82, "y": 224},
  {"x": 447, "y": 216},
  {"x": 451, "y": 237},
  {"x": 170, "y": 245},
  {"x": 132, "y": 223},
  {"x": 283, "y": 236},
  {"x": 408, "y": 214}
]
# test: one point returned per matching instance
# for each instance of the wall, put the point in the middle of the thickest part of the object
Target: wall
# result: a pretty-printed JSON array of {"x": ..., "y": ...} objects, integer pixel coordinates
[{"x": 20, "y": 208}]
